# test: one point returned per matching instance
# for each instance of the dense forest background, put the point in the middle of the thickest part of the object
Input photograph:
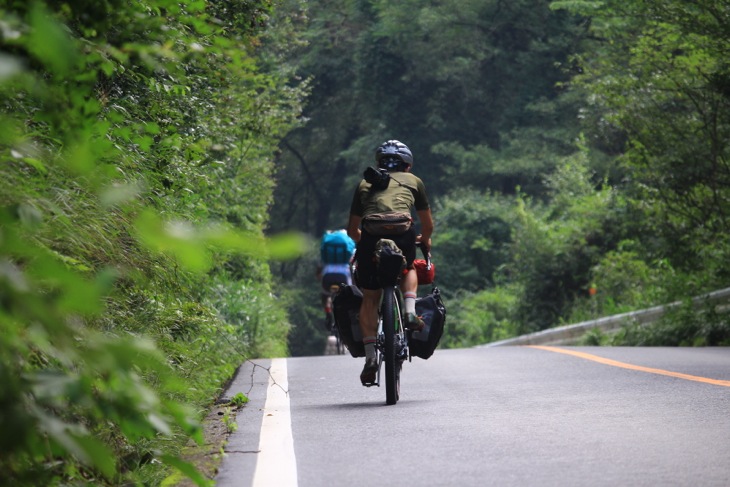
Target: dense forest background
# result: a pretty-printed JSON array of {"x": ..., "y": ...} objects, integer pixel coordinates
[
  {"x": 575, "y": 154},
  {"x": 168, "y": 168}
]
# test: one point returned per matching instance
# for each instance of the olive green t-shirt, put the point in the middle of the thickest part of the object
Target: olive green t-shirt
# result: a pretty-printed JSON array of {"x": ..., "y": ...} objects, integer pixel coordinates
[{"x": 405, "y": 192}]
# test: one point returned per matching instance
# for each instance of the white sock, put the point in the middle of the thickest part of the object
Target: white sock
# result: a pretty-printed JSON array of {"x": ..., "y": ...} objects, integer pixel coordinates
[
  {"x": 369, "y": 347},
  {"x": 409, "y": 299}
]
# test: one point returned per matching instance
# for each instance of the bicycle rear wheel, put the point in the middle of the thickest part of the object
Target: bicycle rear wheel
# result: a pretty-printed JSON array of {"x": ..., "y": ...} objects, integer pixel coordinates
[{"x": 392, "y": 364}]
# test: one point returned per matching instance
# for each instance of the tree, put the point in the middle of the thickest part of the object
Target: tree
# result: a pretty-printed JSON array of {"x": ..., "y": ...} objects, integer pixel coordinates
[
  {"x": 458, "y": 82},
  {"x": 661, "y": 78}
]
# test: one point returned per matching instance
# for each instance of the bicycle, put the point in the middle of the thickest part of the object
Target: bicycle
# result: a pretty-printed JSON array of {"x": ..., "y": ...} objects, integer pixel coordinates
[
  {"x": 330, "y": 324},
  {"x": 391, "y": 343}
]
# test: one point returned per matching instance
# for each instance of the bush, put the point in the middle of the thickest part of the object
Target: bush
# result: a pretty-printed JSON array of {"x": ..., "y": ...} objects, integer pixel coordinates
[
  {"x": 683, "y": 326},
  {"x": 116, "y": 119},
  {"x": 477, "y": 318}
]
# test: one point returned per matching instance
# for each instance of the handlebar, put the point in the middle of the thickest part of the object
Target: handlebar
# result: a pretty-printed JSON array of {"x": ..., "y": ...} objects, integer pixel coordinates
[{"x": 426, "y": 254}]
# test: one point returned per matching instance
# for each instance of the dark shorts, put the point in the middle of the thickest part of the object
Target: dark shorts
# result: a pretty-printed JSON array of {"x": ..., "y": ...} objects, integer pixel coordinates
[
  {"x": 334, "y": 279},
  {"x": 365, "y": 256}
]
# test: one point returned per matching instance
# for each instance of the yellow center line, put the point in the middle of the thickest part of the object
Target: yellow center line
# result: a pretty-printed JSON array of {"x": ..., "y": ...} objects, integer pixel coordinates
[{"x": 623, "y": 365}]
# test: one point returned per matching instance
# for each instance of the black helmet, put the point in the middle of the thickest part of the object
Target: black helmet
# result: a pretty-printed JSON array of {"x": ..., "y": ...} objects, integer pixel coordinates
[{"x": 393, "y": 155}]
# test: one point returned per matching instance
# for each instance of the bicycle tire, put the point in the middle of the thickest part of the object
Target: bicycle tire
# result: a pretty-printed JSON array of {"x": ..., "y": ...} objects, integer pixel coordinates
[
  {"x": 392, "y": 366},
  {"x": 340, "y": 345}
]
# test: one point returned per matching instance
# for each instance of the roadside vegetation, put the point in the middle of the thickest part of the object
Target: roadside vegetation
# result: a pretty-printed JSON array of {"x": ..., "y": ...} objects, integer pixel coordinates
[
  {"x": 137, "y": 141},
  {"x": 168, "y": 167}
]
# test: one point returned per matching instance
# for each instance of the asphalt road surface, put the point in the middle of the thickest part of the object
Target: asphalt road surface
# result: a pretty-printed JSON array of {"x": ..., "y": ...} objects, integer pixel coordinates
[{"x": 505, "y": 416}]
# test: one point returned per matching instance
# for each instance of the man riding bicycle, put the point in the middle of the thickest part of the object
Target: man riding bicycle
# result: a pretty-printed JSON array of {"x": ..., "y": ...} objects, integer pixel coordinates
[
  {"x": 390, "y": 195},
  {"x": 336, "y": 250}
]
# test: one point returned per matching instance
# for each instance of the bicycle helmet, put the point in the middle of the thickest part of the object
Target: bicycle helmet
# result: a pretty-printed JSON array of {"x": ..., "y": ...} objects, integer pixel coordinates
[{"x": 394, "y": 155}]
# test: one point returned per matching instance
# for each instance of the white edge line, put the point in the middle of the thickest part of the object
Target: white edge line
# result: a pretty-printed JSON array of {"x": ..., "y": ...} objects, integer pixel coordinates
[{"x": 276, "y": 464}]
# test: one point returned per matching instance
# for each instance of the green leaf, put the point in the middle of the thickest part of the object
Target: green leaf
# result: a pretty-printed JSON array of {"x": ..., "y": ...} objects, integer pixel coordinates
[
  {"x": 96, "y": 454},
  {"x": 36, "y": 163},
  {"x": 76, "y": 441},
  {"x": 152, "y": 128},
  {"x": 177, "y": 238},
  {"x": 49, "y": 41},
  {"x": 285, "y": 246},
  {"x": 119, "y": 194},
  {"x": 80, "y": 159},
  {"x": 188, "y": 469}
]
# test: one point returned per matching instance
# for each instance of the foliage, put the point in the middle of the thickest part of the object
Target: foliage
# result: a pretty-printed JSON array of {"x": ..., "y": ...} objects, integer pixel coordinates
[
  {"x": 661, "y": 79},
  {"x": 239, "y": 399},
  {"x": 469, "y": 86},
  {"x": 473, "y": 240},
  {"x": 462, "y": 77},
  {"x": 148, "y": 147},
  {"x": 556, "y": 245},
  {"x": 541, "y": 131},
  {"x": 302, "y": 297},
  {"x": 480, "y": 317},
  {"x": 136, "y": 145},
  {"x": 256, "y": 321},
  {"x": 656, "y": 75},
  {"x": 625, "y": 281},
  {"x": 682, "y": 326}
]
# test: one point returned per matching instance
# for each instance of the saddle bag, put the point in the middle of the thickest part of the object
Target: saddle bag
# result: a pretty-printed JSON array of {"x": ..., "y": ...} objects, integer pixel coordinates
[
  {"x": 432, "y": 311},
  {"x": 390, "y": 262},
  {"x": 346, "y": 308}
]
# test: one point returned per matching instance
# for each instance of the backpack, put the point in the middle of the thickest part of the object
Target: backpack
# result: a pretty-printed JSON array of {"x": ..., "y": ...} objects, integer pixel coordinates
[
  {"x": 432, "y": 311},
  {"x": 336, "y": 248},
  {"x": 346, "y": 308}
]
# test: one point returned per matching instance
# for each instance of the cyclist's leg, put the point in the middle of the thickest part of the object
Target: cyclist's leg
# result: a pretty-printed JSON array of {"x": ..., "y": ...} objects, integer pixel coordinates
[
  {"x": 368, "y": 283},
  {"x": 329, "y": 308},
  {"x": 330, "y": 285},
  {"x": 369, "y": 330},
  {"x": 409, "y": 287},
  {"x": 409, "y": 282},
  {"x": 326, "y": 300}
]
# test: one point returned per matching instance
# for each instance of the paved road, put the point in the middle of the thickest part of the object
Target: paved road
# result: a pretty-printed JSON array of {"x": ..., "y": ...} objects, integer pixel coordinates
[{"x": 509, "y": 416}]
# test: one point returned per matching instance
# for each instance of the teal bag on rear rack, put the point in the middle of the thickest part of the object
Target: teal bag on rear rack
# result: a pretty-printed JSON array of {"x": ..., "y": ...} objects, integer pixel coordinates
[{"x": 432, "y": 311}]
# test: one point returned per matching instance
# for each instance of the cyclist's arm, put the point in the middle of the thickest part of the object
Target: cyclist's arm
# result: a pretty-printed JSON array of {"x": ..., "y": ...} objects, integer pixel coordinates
[
  {"x": 353, "y": 227},
  {"x": 424, "y": 216}
]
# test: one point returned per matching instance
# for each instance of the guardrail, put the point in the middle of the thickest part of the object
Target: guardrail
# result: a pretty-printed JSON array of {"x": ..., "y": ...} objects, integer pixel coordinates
[{"x": 570, "y": 334}]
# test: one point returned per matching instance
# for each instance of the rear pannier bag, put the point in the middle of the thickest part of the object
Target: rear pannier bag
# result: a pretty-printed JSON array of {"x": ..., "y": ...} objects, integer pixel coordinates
[
  {"x": 432, "y": 311},
  {"x": 346, "y": 308}
]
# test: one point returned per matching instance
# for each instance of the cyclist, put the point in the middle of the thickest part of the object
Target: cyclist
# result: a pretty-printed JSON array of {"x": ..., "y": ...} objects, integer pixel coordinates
[
  {"x": 402, "y": 193},
  {"x": 336, "y": 252}
]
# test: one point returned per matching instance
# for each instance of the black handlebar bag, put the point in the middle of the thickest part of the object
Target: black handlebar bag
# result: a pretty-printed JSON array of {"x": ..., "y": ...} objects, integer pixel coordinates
[{"x": 432, "y": 311}]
